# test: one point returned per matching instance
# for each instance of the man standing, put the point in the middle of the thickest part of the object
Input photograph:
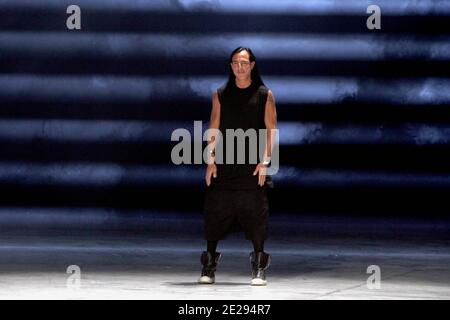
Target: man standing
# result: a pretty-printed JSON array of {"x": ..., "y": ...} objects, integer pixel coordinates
[{"x": 236, "y": 195}]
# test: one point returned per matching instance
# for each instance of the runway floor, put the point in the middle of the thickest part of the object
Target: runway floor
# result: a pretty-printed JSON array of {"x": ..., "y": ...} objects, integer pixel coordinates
[{"x": 313, "y": 265}]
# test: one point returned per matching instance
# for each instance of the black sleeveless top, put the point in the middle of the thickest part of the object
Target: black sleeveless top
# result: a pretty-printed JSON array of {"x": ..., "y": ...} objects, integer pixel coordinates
[{"x": 240, "y": 109}]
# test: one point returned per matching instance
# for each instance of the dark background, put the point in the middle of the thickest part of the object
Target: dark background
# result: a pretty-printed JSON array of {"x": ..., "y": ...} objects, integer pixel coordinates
[{"x": 86, "y": 115}]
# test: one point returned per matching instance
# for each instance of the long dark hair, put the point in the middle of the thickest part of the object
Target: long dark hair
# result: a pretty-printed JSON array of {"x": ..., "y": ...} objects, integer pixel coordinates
[{"x": 256, "y": 77}]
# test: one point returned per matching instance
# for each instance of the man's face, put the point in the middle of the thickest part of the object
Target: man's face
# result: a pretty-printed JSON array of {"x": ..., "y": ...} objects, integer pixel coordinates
[{"x": 241, "y": 65}]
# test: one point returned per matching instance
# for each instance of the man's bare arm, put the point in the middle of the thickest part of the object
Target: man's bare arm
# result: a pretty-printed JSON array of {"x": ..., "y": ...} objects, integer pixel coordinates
[
  {"x": 270, "y": 120},
  {"x": 214, "y": 123}
]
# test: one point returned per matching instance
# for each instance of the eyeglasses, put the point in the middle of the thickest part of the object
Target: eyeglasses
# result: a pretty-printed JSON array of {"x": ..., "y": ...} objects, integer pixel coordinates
[{"x": 242, "y": 63}]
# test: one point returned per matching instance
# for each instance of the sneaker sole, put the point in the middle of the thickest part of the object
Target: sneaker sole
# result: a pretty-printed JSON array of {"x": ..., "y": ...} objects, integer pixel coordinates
[
  {"x": 206, "y": 280},
  {"x": 258, "y": 282}
]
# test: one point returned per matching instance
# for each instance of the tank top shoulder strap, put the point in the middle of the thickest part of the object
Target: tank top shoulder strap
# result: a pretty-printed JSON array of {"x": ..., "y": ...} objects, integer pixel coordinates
[
  {"x": 263, "y": 92},
  {"x": 220, "y": 92}
]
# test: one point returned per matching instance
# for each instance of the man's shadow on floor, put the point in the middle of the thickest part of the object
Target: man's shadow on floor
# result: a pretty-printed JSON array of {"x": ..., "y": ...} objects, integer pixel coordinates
[{"x": 194, "y": 284}]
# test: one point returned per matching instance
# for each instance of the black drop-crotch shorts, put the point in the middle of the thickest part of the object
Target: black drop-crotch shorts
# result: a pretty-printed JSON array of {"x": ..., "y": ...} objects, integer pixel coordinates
[{"x": 227, "y": 211}]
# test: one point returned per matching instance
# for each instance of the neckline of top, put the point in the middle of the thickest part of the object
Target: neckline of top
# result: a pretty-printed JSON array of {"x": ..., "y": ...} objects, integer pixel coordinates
[{"x": 248, "y": 87}]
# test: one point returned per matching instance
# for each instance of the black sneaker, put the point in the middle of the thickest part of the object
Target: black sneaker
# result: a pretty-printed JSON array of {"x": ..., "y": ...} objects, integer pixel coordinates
[
  {"x": 209, "y": 267},
  {"x": 260, "y": 261}
]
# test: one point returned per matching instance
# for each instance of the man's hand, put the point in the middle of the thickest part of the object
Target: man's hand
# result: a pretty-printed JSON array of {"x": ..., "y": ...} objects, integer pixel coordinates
[
  {"x": 210, "y": 171},
  {"x": 261, "y": 169}
]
